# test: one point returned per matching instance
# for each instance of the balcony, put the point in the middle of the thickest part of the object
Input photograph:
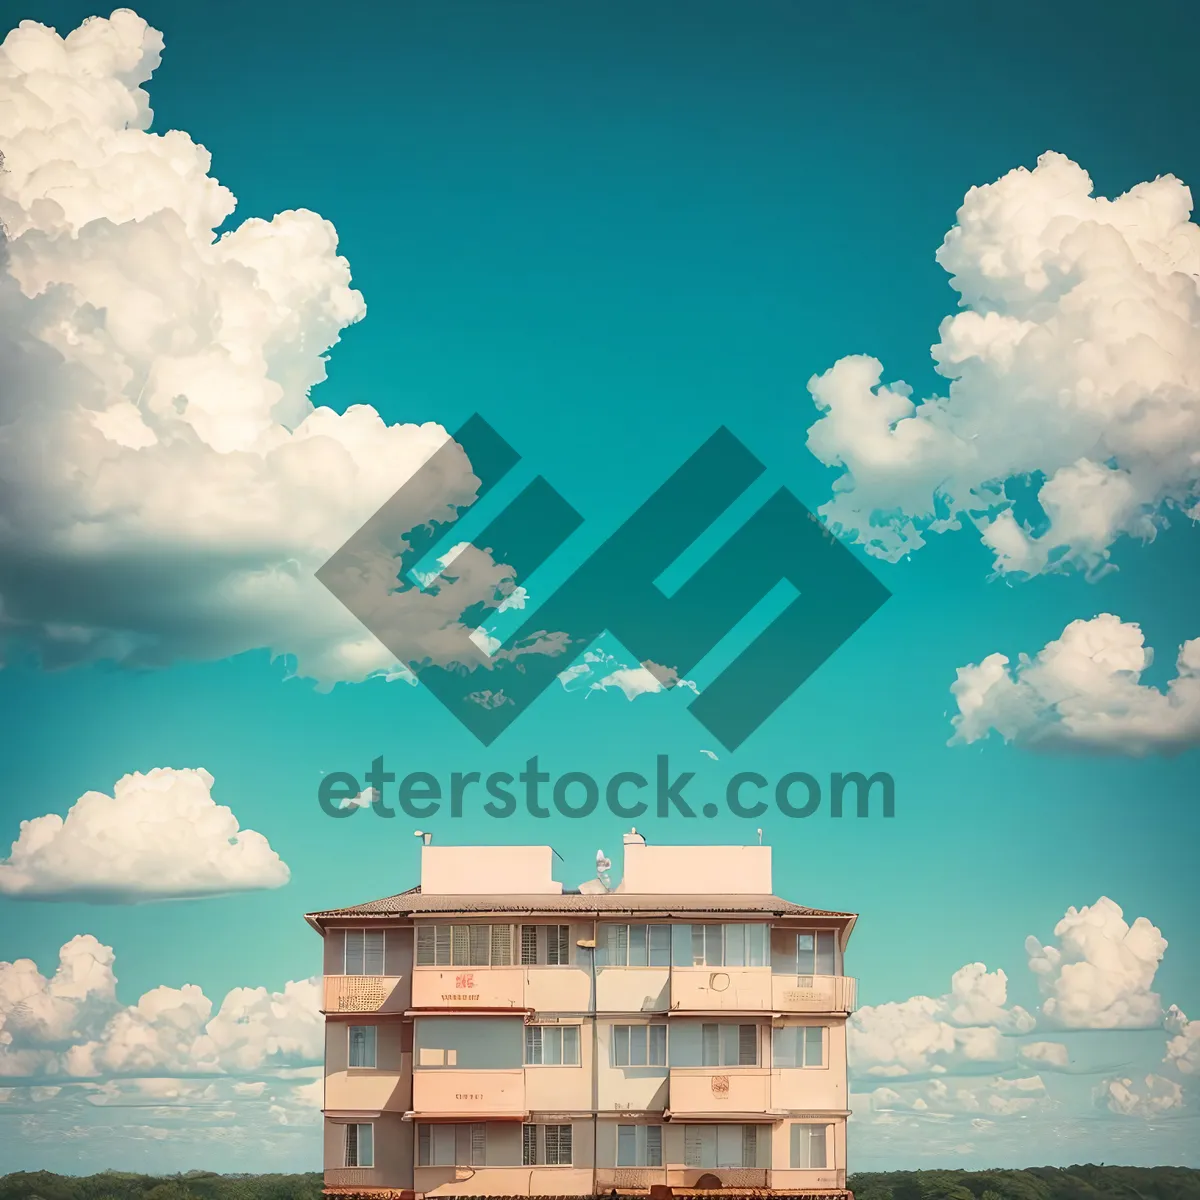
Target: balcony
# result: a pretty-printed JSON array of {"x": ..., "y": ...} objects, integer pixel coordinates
[
  {"x": 468, "y": 987},
  {"x": 714, "y": 989},
  {"x": 705, "y": 1091},
  {"x": 814, "y": 993},
  {"x": 353, "y": 1178},
  {"x": 365, "y": 994},
  {"x": 503, "y": 1181},
  {"x": 713, "y": 1178},
  {"x": 468, "y": 1095}
]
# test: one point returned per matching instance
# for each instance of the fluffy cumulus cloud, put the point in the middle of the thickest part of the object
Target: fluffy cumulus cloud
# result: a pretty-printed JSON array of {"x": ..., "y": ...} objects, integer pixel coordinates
[
  {"x": 1100, "y": 974},
  {"x": 1183, "y": 1049},
  {"x": 159, "y": 836},
  {"x": 70, "y": 1027},
  {"x": 968, "y": 1028},
  {"x": 597, "y": 671},
  {"x": 1083, "y": 691},
  {"x": 1052, "y": 1055},
  {"x": 1073, "y": 363},
  {"x": 170, "y": 487},
  {"x": 1150, "y": 1097},
  {"x": 989, "y": 1098}
]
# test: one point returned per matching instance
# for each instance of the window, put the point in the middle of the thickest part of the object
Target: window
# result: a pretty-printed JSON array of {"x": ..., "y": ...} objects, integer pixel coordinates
[
  {"x": 470, "y": 1043},
  {"x": 728, "y": 1045},
  {"x": 552, "y": 1045},
  {"x": 634, "y": 946},
  {"x": 719, "y": 945},
  {"x": 364, "y": 951},
  {"x": 639, "y": 1146},
  {"x": 464, "y": 945},
  {"x": 809, "y": 1144},
  {"x": 360, "y": 1146},
  {"x": 639, "y": 1045},
  {"x": 546, "y": 1145},
  {"x": 545, "y": 945},
  {"x": 452, "y": 1145},
  {"x": 813, "y": 952},
  {"x": 798, "y": 1046},
  {"x": 722, "y": 1145},
  {"x": 362, "y": 1045}
]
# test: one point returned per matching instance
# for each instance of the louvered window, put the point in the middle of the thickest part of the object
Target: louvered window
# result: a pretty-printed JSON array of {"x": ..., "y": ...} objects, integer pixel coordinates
[
  {"x": 558, "y": 941},
  {"x": 718, "y": 1146},
  {"x": 529, "y": 945},
  {"x": 364, "y": 951},
  {"x": 545, "y": 945},
  {"x": 639, "y": 1045},
  {"x": 464, "y": 945},
  {"x": 726, "y": 1046},
  {"x": 529, "y": 1145},
  {"x": 478, "y": 1145}
]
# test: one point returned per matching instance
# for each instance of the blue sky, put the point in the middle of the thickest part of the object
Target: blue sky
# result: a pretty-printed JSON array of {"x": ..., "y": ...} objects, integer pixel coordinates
[{"x": 609, "y": 229}]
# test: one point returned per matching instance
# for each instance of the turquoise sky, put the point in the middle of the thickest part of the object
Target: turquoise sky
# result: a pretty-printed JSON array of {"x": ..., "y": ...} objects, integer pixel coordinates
[{"x": 611, "y": 229}]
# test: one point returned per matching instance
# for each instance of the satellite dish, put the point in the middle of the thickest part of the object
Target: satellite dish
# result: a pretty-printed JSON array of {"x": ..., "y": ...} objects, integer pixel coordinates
[{"x": 602, "y": 863}]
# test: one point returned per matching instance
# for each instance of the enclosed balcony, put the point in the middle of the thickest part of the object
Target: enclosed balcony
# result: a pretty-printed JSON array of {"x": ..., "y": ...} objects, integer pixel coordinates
[
  {"x": 814, "y": 993},
  {"x": 468, "y": 1067},
  {"x": 365, "y": 994}
]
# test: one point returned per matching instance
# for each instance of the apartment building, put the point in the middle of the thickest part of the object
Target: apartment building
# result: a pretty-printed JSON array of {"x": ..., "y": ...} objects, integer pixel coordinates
[{"x": 489, "y": 1033}]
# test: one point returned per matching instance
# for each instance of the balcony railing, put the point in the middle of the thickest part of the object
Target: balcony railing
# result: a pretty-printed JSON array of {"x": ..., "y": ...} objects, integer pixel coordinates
[
  {"x": 716, "y": 1178},
  {"x": 629, "y": 1178},
  {"x": 364, "y": 994},
  {"x": 814, "y": 993},
  {"x": 353, "y": 1177}
]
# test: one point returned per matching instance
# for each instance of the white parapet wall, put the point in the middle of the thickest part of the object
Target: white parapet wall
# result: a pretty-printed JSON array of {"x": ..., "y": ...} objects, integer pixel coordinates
[
  {"x": 696, "y": 870},
  {"x": 483, "y": 870}
]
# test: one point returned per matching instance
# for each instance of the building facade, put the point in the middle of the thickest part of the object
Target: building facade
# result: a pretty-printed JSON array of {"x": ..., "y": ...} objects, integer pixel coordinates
[{"x": 490, "y": 1034}]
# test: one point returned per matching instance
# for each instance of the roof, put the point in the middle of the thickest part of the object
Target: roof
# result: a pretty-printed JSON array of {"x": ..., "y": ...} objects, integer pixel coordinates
[{"x": 413, "y": 903}]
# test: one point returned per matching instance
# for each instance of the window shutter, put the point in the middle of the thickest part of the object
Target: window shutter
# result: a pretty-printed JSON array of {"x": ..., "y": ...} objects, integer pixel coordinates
[
  {"x": 528, "y": 945},
  {"x": 501, "y": 945},
  {"x": 747, "y": 1045},
  {"x": 426, "y": 945},
  {"x": 442, "y": 938},
  {"x": 373, "y": 952},
  {"x": 557, "y": 952},
  {"x": 529, "y": 1145},
  {"x": 423, "y": 1151},
  {"x": 480, "y": 945},
  {"x": 354, "y": 952},
  {"x": 693, "y": 1146},
  {"x": 749, "y": 1145},
  {"x": 461, "y": 945},
  {"x": 478, "y": 1144},
  {"x": 653, "y": 1145}
]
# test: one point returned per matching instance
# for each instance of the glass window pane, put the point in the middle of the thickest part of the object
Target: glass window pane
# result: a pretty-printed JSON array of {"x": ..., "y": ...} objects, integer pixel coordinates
[
  {"x": 528, "y": 945},
  {"x": 710, "y": 1051},
  {"x": 366, "y": 1147},
  {"x": 653, "y": 1145},
  {"x": 697, "y": 946},
  {"x": 501, "y": 945},
  {"x": 552, "y": 1047},
  {"x": 747, "y": 1046},
  {"x": 460, "y": 937},
  {"x": 637, "y": 1046},
  {"x": 814, "y": 1044},
  {"x": 681, "y": 945},
  {"x": 570, "y": 1054},
  {"x": 783, "y": 952},
  {"x": 735, "y": 945},
  {"x": 825, "y": 952},
  {"x": 660, "y": 945},
  {"x": 627, "y": 1146},
  {"x": 805, "y": 954},
  {"x": 658, "y": 1045},
  {"x": 533, "y": 1044},
  {"x": 354, "y": 951},
  {"x": 621, "y": 1045},
  {"x": 480, "y": 945},
  {"x": 729, "y": 1045},
  {"x": 638, "y": 949},
  {"x": 442, "y": 938},
  {"x": 425, "y": 946},
  {"x": 529, "y": 1145},
  {"x": 714, "y": 936},
  {"x": 756, "y": 945},
  {"x": 373, "y": 952}
]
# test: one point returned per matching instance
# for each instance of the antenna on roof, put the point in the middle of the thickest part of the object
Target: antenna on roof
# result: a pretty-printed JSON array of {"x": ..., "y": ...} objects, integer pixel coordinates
[
  {"x": 760, "y": 837},
  {"x": 426, "y": 837}
]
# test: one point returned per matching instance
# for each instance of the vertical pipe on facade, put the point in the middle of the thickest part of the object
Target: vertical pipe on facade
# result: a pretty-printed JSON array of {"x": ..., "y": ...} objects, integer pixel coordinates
[{"x": 595, "y": 1054}]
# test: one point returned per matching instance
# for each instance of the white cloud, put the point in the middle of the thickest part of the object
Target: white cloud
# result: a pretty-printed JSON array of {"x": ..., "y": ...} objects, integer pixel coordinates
[
  {"x": 645, "y": 679},
  {"x": 71, "y": 1027},
  {"x": 989, "y": 1098},
  {"x": 38, "y": 1016},
  {"x": 1101, "y": 973},
  {"x": 923, "y": 1035},
  {"x": 159, "y": 836},
  {"x": 1151, "y": 1098},
  {"x": 1183, "y": 1050},
  {"x": 1052, "y": 1055},
  {"x": 171, "y": 487},
  {"x": 1074, "y": 361},
  {"x": 1083, "y": 690}
]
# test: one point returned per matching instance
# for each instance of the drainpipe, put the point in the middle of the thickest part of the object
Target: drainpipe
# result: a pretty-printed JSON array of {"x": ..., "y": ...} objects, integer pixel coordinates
[{"x": 590, "y": 945}]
